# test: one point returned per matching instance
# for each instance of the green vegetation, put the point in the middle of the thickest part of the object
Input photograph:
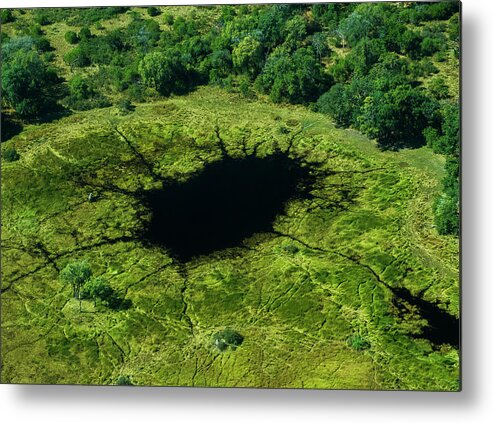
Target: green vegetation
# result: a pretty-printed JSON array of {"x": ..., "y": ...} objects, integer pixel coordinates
[
  {"x": 105, "y": 107},
  {"x": 76, "y": 274},
  {"x": 10, "y": 154},
  {"x": 227, "y": 338}
]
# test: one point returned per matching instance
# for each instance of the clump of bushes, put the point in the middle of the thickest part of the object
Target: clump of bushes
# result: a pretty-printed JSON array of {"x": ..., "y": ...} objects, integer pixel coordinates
[
  {"x": 10, "y": 154},
  {"x": 227, "y": 338},
  {"x": 125, "y": 106},
  {"x": 84, "y": 287},
  {"x": 153, "y": 11},
  {"x": 358, "y": 342},
  {"x": 71, "y": 37},
  {"x": 6, "y": 16}
]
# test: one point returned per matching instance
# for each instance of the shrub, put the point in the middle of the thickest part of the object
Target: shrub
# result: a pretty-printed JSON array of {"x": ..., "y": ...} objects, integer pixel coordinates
[
  {"x": 28, "y": 83},
  {"x": 227, "y": 338},
  {"x": 124, "y": 380},
  {"x": 169, "y": 19},
  {"x": 153, "y": 11},
  {"x": 10, "y": 154},
  {"x": 6, "y": 16},
  {"x": 71, "y": 37},
  {"x": 42, "y": 18},
  {"x": 85, "y": 34},
  {"x": 77, "y": 57},
  {"x": 125, "y": 106},
  {"x": 358, "y": 342},
  {"x": 446, "y": 210}
]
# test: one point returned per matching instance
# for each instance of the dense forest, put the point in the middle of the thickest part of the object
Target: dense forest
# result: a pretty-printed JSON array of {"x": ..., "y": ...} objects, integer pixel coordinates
[{"x": 373, "y": 67}]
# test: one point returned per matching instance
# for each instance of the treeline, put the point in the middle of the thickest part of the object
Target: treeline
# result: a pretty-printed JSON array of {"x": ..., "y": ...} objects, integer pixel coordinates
[{"x": 362, "y": 64}]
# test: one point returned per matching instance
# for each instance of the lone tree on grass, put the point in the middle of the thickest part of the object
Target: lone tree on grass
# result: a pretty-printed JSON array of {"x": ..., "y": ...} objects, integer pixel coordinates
[{"x": 76, "y": 274}]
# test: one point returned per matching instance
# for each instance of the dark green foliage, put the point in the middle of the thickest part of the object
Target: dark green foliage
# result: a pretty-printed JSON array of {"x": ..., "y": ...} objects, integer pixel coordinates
[
  {"x": 9, "y": 126},
  {"x": 365, "y": 22},
  {"x": 124, "y": 381},
  {"x": 320, "y": 45},
  {"x": 125, "y": 106},
  {"x": 85, "y": 34},
  {"x": 447, "y": 142},
  {"x": 83, "y": 94},
  {"x": 421, "y": 12},
  {"x": 77, "y": 58},
  {"x": 248, "y": 56},
  {"x": 446, "y": 210},
  {"x": 164, "y": 71},
  {"x": 79, "y": 16},
  {"x": 97, "y": 289},
  {"x": 153, "y": 11},
  {"x": 397, "y": 118},
  {"x": 6, "y": 16},
  {"x": 28, "y": 83},
  {"x": 358, "y": 342},
  {"x": 77, "y": 274},
  {"x": 438, "y": 88},
  {"x": 169, "y": 19},
  {"x": 227, "y": 338},
  {"x": 336, "y": 103},
  {"x": 295, "y": 78},
  {"x": 71, "y": 37},
  {"x": 10, "y": 154},
  {"x": 42, "y": 17},
  {"x": 364, "y": 55}
]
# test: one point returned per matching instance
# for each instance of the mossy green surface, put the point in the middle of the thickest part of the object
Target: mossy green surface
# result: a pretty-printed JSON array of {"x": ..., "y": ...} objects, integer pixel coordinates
[{"x": 296, "y": 295}]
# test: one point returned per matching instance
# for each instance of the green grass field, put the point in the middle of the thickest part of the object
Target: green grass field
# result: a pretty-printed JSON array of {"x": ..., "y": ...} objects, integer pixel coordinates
[{"x": 319, "y": 301}]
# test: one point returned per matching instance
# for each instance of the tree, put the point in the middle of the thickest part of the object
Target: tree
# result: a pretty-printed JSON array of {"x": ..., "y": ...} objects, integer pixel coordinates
[
  {"x": 71, "y": 37},
  {"x": 79, "y": 88},
  {"x": 153, "y": 11},
  {"x": 77, "y": 57},
  {"x": 6, "y": 16},
  {"x": 98, "y": 288},
  {"x": 296, "y": 78},
  {"x": 76, "y": 274},
  {"x": 336, "y": 104},
  {"x": 397, "y": 118},
  {"x": 320, "y": 45},
  {"x": 247, "y": 56},
  {"x": 28, "y": 83},
  {"x": 163, "y": 71}
]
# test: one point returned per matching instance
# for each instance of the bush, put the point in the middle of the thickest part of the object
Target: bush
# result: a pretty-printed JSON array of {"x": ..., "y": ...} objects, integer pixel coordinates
[
  {"x": 358, "y": 342},
  {"x": 77, "y": 57},
  {"x": 153, "y": 11},
  {"x": 397, "y": 118},
  {"x": 10, "y": 154},
  {"x": 28, "y": 83},
  {"x": 164, "y": 71},
  {"x": 125, "y": 106},
  {"x": 227, "y": 338},
  {"x": 295, "y": 78},
  {"x": 6, "y": 16},
  {"x": 124, "y": 381},
  {"x": 42, "y": 18},
  {"x": 446, "y": 210},
  {"x": 169, "y": 19},
  {"x": 71, "y": 37}
]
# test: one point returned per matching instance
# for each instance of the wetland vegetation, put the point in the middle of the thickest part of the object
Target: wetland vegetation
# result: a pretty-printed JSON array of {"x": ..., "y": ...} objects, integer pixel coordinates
[{"x": 251, "y": 196}]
